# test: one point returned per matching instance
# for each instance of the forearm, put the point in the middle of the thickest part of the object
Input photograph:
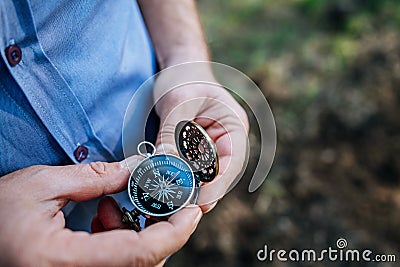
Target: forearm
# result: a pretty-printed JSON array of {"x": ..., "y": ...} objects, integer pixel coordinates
[{"x": 175, "y": 31}]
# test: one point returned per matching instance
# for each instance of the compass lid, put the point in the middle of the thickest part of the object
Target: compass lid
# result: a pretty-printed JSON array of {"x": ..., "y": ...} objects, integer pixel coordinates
[{"x": 197, "y": 148}]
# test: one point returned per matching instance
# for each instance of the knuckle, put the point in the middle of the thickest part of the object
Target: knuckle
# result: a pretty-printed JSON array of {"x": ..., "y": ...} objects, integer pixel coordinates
[{"x": 99, "y": 168}]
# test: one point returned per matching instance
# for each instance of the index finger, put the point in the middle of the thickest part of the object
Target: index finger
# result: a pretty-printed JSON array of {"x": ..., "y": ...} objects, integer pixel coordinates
[{"x": 128, "y": 248}]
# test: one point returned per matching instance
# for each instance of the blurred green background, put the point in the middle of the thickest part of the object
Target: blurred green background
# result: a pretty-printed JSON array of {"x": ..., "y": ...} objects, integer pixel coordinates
[{"x": 331, "y": 73}]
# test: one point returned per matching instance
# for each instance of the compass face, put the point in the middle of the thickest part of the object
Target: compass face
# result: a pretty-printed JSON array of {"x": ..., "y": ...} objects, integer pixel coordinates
[{"x": 161, "y": 185}]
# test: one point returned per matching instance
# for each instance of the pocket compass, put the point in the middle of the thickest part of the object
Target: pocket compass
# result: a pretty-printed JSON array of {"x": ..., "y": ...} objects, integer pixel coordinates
[{"x": 162, "y": 184}]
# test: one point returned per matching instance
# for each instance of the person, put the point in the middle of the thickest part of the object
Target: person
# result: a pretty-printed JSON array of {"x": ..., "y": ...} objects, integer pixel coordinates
[{"x": 68, "y": 70}]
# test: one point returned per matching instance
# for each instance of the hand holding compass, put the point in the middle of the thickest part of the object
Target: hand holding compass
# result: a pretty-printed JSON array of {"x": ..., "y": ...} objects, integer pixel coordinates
[{"x": 162, "y": 184}]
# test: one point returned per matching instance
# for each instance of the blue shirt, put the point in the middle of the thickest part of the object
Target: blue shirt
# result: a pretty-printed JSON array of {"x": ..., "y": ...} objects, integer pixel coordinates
[{"x": 81, "y": 63}]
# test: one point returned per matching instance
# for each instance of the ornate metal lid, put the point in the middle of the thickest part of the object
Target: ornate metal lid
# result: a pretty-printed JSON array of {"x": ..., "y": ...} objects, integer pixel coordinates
[{"x": 197, "y": 148}]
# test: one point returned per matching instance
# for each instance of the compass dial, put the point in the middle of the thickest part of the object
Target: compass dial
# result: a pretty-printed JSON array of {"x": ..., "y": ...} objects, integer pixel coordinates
[{"x": 161, "y": 185}]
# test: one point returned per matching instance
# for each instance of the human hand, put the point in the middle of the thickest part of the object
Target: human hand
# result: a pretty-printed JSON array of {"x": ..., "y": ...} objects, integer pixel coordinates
[
  {"x": 32, "y": 224},
  {"x": 180, "y": 96}
]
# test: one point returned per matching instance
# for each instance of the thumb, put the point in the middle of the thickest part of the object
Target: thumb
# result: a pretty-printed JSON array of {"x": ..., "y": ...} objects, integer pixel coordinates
[{"x": 87, "y": 181}]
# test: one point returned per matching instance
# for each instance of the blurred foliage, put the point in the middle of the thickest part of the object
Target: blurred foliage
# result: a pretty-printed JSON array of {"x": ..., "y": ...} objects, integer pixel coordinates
[{"x": 330, "y": 70}]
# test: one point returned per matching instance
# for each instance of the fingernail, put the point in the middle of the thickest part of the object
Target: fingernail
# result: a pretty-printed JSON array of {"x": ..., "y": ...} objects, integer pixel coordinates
[
  {"x": 198, "y": 217},
  {"x": 131, "y": 162},
  {"x": 198, "y": 211},
  {"x": 123, "y": 164}
]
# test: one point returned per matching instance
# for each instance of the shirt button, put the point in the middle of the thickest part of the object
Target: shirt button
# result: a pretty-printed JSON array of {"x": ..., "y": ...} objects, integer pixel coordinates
[
  {"x": 81, "y": 153},
  {"x": 13, "y": 54}
]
